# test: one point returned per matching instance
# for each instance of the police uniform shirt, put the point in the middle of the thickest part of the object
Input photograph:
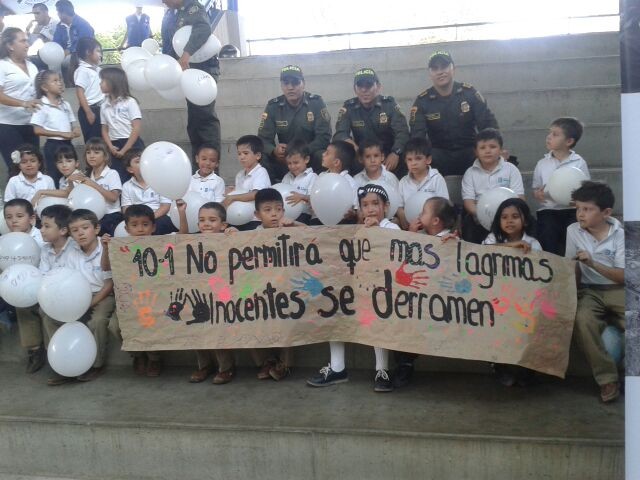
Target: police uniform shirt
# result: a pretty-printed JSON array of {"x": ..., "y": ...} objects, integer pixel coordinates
[
  {"x": 87, "y": 77},
  {"x": 15, "y": 83},
  {"x": 545, "y": 168},
  {"x": 19, "y": 187},
  {"x": 386, "y": 176},
  {"x": 210, "y": 187},
  {"x": 450, "y": 122},
  {"x": 49, "y": 259},
  {"x": 109, "y": 180},
  {"x": 64, "y": 183},
  {"x": 434, "y": 184},
  {"x": 609, "y": 251},
  {"x": 55, "y": 118},
  {"x": 135, "y": 194},
  {"x": 193, "y": 13},
  {"x": 37, "y": 236},
  {"x": 535, "y": 245},
  {"x": 119, "y": 115},
  {"x": 302, "y": 184},
  {"x": 89, "y": 265},
  {"x": 477, "y": 180}
]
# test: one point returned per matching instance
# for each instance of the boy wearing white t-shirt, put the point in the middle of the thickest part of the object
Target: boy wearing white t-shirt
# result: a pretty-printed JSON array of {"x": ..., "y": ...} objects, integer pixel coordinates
[
  {"x": 300, "y": 176},
  {"x": 206, "y": 181}
]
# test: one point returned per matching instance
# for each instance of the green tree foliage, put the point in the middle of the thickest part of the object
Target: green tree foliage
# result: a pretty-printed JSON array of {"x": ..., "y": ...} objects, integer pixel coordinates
[{"x": 111, "y": 41}]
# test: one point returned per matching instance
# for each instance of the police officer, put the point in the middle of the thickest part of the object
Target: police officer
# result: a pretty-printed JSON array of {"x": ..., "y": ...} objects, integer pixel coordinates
[
  {"x": 294, "y": 115},
  {"x": 203, "y": 125},
  {"x": 372, "y": 116},
  {"x": 450, "y": 114}
]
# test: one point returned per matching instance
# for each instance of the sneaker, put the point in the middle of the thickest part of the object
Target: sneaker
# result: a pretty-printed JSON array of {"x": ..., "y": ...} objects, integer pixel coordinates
[
  {"x": 609, "y": 392},
  {"x": 154, "y": 368},
  {"x": 224, "y": 377},
  {"x": 91, "y": 374},
  {"x": 36, "y": 360},
  {"x": 279, "y": 371},
  {"x": 402, "y": 375},
  {"x": 382, "y": 382},
  {"x": 57, "y": 379},
  {"x": 328, "y": 377},
  {"x": 264, "y": 374},
  {"x": 140, "y": 365}
]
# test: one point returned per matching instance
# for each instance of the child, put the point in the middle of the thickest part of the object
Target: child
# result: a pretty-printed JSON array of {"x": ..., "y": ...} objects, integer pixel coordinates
[
  {"x": 20, "y": 217},
  {"x": 553, "y": 219},
  {"x": 513, "y": 227},
  {"x": 300, "y": 176},
  {"x": 421, "y": 177},
  {"x": 488, "y": 171},
  {"x": 120, "y": 117},
  {"x": 206, "y": 181},
  {"x": 136, "y": 192},
  {"x": 104, "y": 180},
  {"x": 28, "y": 178},
  {"x": 54, "y": 119},
  {"x": 212, "y": 218},
  {"x": 373, "y": 202},
  {"x": 252, "y": 177},
  {"x": 596, "y": 240},
  {"x": 372, "y": 158},
  {"x": 270, "y": 211},
  {"x": 67, "y": 164},
  {"x": 87, "y": 80}
]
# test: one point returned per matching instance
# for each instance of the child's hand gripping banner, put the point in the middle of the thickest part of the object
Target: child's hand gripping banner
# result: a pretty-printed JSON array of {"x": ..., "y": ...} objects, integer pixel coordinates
[{"x": 374, "y": 286}]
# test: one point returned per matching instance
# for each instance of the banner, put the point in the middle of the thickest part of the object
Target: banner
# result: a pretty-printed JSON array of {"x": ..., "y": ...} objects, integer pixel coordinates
[{"x": 297, "y": 286}]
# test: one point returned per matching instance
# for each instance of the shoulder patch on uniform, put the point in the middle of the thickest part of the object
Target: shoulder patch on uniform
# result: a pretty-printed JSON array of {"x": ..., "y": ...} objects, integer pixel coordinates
[
  {"x": 412, "y": 114},
  {"x": 263, "y": 117},
  {"x": 325, "y": 114},
  {"x": 479, "y": 96},
  {"x": 351, "y": 101},
  {"x": 467, "y": 85},
  {"x": 193, "y": 10},
  {"x": 424, "y": 93},
  {"x": 274, "y": 100},
  {"x": 314, "y": 96},
  {"x": 341, "y": 113}
]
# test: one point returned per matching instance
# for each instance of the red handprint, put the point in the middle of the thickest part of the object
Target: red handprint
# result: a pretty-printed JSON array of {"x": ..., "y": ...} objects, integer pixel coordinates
[{"x": 410, "y": 279}]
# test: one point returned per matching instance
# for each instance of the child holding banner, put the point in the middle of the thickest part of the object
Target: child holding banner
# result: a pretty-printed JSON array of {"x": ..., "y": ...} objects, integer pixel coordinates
[{"x": 513, "y": 226}]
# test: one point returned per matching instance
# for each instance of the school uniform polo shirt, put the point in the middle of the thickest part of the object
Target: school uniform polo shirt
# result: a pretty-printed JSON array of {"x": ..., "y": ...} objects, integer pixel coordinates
[
  {"x": 37, "y": 236},
  {"x": 17, "y": 84},
  {"x": 89, "y": 265},
  {"x": 545, "y": 168},
  {"x": 49, "y": 259},
  {"x": 210, "y": 187},
  {"x": 434, "y": 184},
  {"x": 609, "y": 251},
  {"x": 109, "y": 180},
  {"x": 386, "y": 223},
  {"x": 386, "y": 176},
  {"x": 535, "y": 245},
  {"x": 302, "y": 184},
  {"x": 135, "y": 194},
  {"x": 87, "y": 77},
  {"x": 20, "y": 187},
  {"x": 256, "y": 179},
  {"x": 477, "y": 180},
  {"x": 52, "y": 117},
  {"x": 119, "y": 115},
  {"x": 64, "y": 183}
]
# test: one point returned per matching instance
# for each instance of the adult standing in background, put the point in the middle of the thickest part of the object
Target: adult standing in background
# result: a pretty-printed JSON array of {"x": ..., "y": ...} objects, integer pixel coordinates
[
  {"x": 17, "y": 92},
  {"x": 294, "y": 115},
  {"x": 71, "y": 28},
  {"x": 168, "y": 28},
  {"x": 450, "y": 114},
  {"x": 42, "y": 27},
  {"x": 138, "y": 29}
]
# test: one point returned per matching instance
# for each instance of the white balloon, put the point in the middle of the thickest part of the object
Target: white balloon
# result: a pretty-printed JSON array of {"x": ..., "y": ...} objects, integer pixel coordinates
[
  {"x": 167, "y": 169},
  {"x": 290, "y": 211},
  {"x": 174, "y": 94},
  {"x": 136, "y": 76},
  {"x": 240, "y": 213},
  {"x": 52, "y": 54},
  {"x": 562, "y": 182},
  {"x": 151, "y": 46},
  {"x": 120, "y": 231},
  {"x": 180, "y": 39},
  {"x": 211, "y": 47},
  {"x": 19, "y": 285},
  {"x": 83, "y": 196},
  {"x": 414, "y": 205},
  {"x": 18, "y": 247},
  {"x": 72, "y": 350},
  {"x": 199, "y": 87},
  {"x": 132, "y": 54},
  {"x": 45, "y": 202},
  {"x": 163, "y": 72},
  {"x": 194, "y": 201},
  {"x": 489, "y": 202},
  {"x": 331, "y": 197},
  {"x": 4, "y": 228},
  {"x": 65, "y": 295},
  {"x": 394, "y": 196}
]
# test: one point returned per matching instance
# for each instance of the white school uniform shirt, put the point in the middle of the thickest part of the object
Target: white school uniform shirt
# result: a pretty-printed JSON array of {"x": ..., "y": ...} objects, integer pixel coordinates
[
  {"x": 119, "y": 115},
  {"x": 386, "y": 176},
  {"x": 17, "y": 84},
  {"x": 19, "y": 187},
  {"x": 49, "y": 259},
  {"x": 37, "y": 236},
  {"x": 535, "y": 245},
  {"x": 64, "y": 183},
  {"x": 87, "y": 76},
  {"x": 477, "y": 180},
  {"x": 434, "y": 184},
  {"x": 210, "y": 187},
  {"x": 545, "y": 168},
  {"x": 135, "y": 194},
  {"x": 386, "y": 223},
  {"x": 302, "y": 184},
  {"x": 256, "y": 179},
  {"x": 88, "y": 265},
  {"x": 609, "y": 251},
  {"x": 109, "y": 180},
  {"x": 56, "y": 118}
]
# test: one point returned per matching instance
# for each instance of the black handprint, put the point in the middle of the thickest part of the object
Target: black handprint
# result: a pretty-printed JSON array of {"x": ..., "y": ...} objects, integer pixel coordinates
[
  {"x": 177, "y": 304},
  {"x": 200, "y": 309}
]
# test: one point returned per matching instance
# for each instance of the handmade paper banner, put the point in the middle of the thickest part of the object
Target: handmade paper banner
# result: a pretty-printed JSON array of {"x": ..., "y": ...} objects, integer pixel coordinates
[{"x": 379, "y": 287}]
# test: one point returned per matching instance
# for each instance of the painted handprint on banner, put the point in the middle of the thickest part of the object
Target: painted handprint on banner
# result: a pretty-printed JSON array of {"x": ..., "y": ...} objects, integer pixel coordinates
[
  {"x": 309, "y": 284},
  {"x": 415, "y": 279},
  {"x": 200, "y": 305}
]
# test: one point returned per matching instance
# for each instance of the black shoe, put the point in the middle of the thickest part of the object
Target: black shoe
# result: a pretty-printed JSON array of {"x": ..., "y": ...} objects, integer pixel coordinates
[
  {"x": 37, "y": 359},
  {"x": 328, "y": 377},
  {"x": 382, "y": 382},
  {"x": 402, "y": 375},
  {"x": 504, "y": 374}
]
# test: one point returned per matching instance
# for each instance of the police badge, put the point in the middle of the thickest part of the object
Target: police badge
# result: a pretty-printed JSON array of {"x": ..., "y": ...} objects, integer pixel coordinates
[
  {"x": 310, "y": 117},
  {"x": 464, "y": 107},
  {"x": 383, "y": 118}
]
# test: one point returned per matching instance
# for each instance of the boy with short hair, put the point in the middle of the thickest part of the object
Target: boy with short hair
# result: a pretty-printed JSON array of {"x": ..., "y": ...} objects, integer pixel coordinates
[
  {"x": 488, "y": 171},
  {"x": 596, "y": 240},
  {"x": 20, "y": 216},
  {"x": 372, "y": 159},
  {"x": 339, "y": 158},
  {"x": 421, "y": 177},
  {"x": 300, "y": 176},
  {"x": 206, "y": 180},
  {"x": 553, "y": 219}
]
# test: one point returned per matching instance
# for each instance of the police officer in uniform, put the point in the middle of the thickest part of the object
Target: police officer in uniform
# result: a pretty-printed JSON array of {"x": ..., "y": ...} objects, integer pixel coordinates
[
  {"x": 450, "y": 114},
  {"x": 371, "y": 116},
  {"x": 203, "y": 125},
  {"x": 295, "y": 115}
]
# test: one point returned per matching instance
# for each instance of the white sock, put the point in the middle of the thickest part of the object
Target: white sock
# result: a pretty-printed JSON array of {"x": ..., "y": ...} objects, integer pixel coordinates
[
  {"x": 337, "y": 356},
  {"x": 382, "y": 358}
]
